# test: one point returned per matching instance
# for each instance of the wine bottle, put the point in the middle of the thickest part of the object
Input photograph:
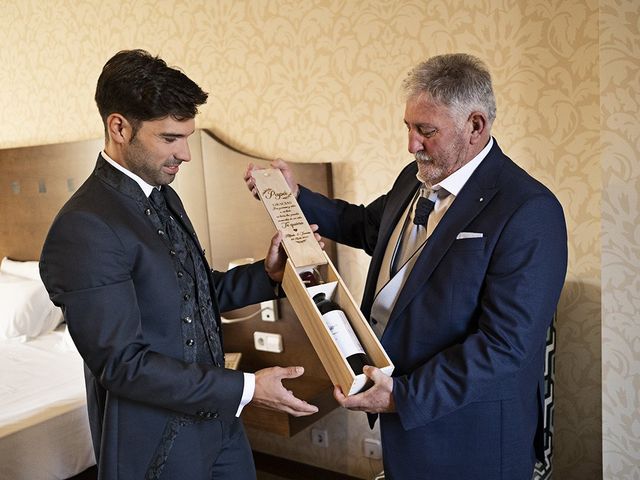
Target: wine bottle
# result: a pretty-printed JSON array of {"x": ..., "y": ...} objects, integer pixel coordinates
[
  {"x": 310, "y": 278},
  {"x": 342, "y": 332}
]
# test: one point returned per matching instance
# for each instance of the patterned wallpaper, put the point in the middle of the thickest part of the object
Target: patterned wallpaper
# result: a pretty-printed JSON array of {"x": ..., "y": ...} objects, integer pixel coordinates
[
  {"x": 620, "y": 104},
  {"x": 320, "y": 81}
]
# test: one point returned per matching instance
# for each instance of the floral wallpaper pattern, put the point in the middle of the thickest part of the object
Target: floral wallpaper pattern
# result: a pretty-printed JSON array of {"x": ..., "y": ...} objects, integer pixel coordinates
[
  {"x": 319, "y": 81},
  {"x": 620, "y": 103}
]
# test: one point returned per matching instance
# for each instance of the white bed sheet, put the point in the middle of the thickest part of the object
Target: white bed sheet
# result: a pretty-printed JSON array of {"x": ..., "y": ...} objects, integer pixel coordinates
[{"x": 44, "y": 428}]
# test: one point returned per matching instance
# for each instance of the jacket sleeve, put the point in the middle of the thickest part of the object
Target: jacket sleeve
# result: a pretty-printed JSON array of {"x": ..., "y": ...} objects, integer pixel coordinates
[{"x": 343, "y": 222}]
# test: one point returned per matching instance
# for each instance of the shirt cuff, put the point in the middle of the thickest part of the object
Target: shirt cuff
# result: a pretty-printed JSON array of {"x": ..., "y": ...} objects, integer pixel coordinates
[{"x": 247, "y": 391}]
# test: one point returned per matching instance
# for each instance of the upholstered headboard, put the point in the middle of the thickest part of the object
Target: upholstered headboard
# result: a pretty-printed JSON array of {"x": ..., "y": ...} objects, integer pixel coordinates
[{"x": 36, "y": 181}]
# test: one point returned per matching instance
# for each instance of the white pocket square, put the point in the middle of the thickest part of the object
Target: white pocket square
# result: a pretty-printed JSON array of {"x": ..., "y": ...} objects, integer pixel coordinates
[{"x": 463, "y": 235}]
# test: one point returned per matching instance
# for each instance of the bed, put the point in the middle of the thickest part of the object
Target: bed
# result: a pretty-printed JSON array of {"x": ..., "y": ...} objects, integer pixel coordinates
[{"x": 44, "y": 429}]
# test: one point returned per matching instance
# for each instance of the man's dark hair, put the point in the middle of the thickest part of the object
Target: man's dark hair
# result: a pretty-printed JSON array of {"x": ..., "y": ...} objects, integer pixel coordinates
[{"x": 142, "y": 87}]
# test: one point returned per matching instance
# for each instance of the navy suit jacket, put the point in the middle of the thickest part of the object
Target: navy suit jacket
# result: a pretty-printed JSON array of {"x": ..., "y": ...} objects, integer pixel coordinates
[
  {"x": 467, "y": 333},
  {"x": 104, "y": 263}
]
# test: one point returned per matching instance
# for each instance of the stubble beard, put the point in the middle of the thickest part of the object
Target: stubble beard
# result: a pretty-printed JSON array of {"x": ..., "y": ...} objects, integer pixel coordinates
[
  {"x": 140, "y": 163},
  {"x": 430, "y": 171}
]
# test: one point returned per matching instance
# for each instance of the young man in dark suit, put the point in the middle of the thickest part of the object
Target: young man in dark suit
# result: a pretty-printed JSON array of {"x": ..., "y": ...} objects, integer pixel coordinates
[
  {"x": 469, "y": 255},
  {"x": 142, "y": 305}
]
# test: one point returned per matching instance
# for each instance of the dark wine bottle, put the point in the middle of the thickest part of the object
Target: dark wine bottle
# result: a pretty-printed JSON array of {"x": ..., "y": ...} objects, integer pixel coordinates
[
  {"x": 310, "y": 278},
  {"x": 342, "y": 332}
]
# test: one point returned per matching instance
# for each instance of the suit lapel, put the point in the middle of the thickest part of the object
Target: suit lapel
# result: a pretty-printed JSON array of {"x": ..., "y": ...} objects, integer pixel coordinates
[{"x": 472, "y": 199}]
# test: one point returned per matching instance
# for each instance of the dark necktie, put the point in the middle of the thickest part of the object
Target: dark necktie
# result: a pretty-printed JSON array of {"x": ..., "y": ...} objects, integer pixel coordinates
[
  {"x": 159, "y": 203},
  {"x": 173, "y": 230},
  {"x": 423, "y": 209},
  {"x": 414, "y": 235}
]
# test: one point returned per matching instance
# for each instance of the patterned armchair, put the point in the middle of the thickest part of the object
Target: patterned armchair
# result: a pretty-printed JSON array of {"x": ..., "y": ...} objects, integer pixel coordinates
[{"x": 543, "y": 470}]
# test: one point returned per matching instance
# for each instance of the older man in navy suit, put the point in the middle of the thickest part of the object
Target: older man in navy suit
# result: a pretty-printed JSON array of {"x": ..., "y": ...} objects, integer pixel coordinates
[
  {"x": 141, "y": 303},
  {"x": 469, "y": 255}
]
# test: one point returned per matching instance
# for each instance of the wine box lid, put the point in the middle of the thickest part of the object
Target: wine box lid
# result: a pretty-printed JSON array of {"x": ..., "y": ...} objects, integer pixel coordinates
[{"x": 298, "y": 240}]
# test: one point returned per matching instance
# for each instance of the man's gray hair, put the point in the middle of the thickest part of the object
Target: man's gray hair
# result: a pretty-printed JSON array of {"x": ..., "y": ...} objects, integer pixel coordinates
[{"x": 458, "y": 81}]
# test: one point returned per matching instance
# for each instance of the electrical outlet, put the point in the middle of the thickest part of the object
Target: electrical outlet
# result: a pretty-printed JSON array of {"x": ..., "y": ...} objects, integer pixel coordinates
[
  {"x": 371, "y": 448},
  {"x": 319, "y": 437},
  {"x": 267, "y": 342},
  {"x": 269, "y": 311}
]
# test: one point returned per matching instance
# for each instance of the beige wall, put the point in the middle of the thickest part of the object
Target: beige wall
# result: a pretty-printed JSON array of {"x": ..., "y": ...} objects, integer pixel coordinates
[
  {"x": 319, "y": 81},
  {"x": 620, "y": 104}
]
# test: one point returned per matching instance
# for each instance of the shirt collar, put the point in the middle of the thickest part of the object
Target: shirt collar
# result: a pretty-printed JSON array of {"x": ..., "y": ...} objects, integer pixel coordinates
[
  {"x": 454, "y": 182},
  {"x": 146, "y": 188}
]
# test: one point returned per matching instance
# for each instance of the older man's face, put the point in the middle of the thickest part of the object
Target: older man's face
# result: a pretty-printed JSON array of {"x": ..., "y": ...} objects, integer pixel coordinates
[{"x": 439, "y": 144}]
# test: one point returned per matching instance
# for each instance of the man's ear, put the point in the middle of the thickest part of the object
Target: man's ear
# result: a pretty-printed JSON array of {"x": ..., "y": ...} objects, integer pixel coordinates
[
  {"x": 479, "y": 124},
  {"x": 118, "y": 128}
]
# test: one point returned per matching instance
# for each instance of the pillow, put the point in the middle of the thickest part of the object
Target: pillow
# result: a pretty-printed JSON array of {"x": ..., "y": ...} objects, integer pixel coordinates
[
  {"x": 25, "y": 308},
  {"x": 27, "y": 269}
]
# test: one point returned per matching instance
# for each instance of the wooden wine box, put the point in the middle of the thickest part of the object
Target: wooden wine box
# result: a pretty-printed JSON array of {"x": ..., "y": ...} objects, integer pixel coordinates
[{"x": 305, "y": 254}]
